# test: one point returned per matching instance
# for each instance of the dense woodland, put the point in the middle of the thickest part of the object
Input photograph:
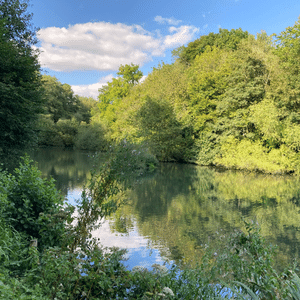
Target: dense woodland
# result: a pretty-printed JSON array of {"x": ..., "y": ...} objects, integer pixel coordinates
[{"x": 229, "y": 99}]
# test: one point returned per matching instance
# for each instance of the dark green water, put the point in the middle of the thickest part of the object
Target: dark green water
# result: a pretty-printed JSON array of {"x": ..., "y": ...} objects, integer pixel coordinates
[{"x": 174, "y": 213}]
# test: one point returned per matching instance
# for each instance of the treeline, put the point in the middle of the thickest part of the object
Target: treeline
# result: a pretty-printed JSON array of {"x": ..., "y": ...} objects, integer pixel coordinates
[
  {"x": 229, "y": 99},
  {"x": 65, "y": 121},
  {"x": 69, "y": 120}
]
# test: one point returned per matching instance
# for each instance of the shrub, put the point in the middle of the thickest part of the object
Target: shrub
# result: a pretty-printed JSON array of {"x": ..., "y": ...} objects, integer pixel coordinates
[
  {"x": 67, "y": 130},
  {"x": 33, "y": 205},
  {"x": 91, "y": 137},
  {"x": 48, "y": 132},
  {"x": 253, "y": 156}
]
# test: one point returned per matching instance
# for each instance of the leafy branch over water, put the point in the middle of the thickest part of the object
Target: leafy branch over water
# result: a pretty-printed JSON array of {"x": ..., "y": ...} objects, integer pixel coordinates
[{"x": 109, "y": 180}]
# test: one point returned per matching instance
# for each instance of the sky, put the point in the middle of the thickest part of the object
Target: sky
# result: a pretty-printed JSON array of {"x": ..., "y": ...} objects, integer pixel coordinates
[{"x": 83, "y": 42}]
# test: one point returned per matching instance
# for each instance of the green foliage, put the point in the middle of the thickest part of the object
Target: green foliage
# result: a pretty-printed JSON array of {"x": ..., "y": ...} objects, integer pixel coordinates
[
  {"x": 266, "y": 118},
  {"x": 96, "y": 274},
  {"x": 225, "y": 39},
  {"x": 67, "y": 130},
  {"x": 84, "y": 109},
  {"x": 248, "y": 261},
  {"x": 253, "y": 156},
  {"x": 208, "y": 80},
  {"x": 60, "y": 101},
  {"x": 158, "y": 126},
  {"x": 17, "y": 22},
  {"x": 164, "y": 87},
  {"x": 111, "y": 94},
  {"x": 60, "y": 124},
  {"x": 33, "y": 205},
  {"x": 48, "y": 133},
  {"x": 91, "y": 137},
  {"x": 287, "y": 49},
  {"x": 19, "y": 78},
  {"x": 130, "y": 73},
  {"x": 12, "y": 248}
]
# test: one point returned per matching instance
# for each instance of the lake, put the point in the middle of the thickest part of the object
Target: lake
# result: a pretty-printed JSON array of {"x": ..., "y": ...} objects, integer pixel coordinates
[{"x": 171, "y": 215}]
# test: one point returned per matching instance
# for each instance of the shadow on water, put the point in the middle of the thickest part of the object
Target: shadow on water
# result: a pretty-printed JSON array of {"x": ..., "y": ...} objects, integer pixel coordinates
[{"x": 70, "y": 168}]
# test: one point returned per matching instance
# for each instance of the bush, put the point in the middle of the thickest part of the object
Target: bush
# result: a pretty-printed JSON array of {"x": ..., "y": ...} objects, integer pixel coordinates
[
  {"x": 253, "y": 156},
  {"x": 32, "y": 205},
  {"x": 48, "y": 132},
  {"x": 91, "y": 137},
  {"x": 60, "y": 134},
  {"x": 67, "y": 130}
]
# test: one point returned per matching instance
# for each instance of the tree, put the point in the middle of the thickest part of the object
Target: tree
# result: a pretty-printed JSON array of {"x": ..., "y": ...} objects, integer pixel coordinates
[
  {"x": 60, "y": 101},
  {"x": 111, "y": 94},
  {"x": 20, "y": 101},
  {"x": 131, "y": 74},
  {"x": 158, "y": 126},
  {"x": 225, "y": 39},
  {"x": 288, "y": 49},
  {"x": 85, "y": 107},
  {"x": 17, "y": 22}
]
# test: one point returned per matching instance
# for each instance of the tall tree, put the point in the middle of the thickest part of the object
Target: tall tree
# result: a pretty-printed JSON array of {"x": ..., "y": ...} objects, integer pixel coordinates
[
  {"x": 17, "y": 22},
  {"x": 21, "y": 100},
  {"x": 118, "y": 88}
]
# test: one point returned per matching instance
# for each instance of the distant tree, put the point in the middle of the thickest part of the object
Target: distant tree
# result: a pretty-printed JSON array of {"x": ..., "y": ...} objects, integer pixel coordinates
[
  {"x": 131, "y": 74},
  {"x": 20, "y": 100},
  {"x": 60, "y": 101},
  {"x": 85, "y": 107},
  {"x": 118, "y": 88}
]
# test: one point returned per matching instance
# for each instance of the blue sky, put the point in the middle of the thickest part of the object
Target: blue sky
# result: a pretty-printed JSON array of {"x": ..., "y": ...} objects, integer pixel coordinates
[{"x": 83, "y": 43}]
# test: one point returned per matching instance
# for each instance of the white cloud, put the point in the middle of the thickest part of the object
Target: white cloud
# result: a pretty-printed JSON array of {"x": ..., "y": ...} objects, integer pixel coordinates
[
  {"x": 91, "y": 90},
  {"x": 96, "y": 46},
  {"x": 180, "y": 36},
  {"x": 169, "y": 21},
  {"x": 105, "y": 46}
]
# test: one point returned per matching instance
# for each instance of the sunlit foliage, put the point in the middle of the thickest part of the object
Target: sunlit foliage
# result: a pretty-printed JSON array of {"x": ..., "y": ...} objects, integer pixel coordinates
[{"x": 229, "y": 99}]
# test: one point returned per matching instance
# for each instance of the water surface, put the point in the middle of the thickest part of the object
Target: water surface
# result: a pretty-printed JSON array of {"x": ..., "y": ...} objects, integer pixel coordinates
[{"x": 173, "y": 214}]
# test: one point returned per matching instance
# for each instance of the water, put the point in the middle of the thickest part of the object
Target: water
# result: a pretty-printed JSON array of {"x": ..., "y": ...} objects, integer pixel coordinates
[{"x": 171, "y": 215}]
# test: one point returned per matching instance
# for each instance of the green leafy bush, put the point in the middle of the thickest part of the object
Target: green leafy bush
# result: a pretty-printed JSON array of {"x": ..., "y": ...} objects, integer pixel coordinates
[
  {"x": 33, "y": 205},
  {"x": 253, "y": 156},
  {"x": 48, "y": 133},
  {"x": 67, "y": 130},
  {"x": 91, "y": 137}
]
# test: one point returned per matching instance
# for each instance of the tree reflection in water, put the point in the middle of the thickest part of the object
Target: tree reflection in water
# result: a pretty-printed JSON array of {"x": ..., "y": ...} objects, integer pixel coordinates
[{"x": 181, "y": 208}]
